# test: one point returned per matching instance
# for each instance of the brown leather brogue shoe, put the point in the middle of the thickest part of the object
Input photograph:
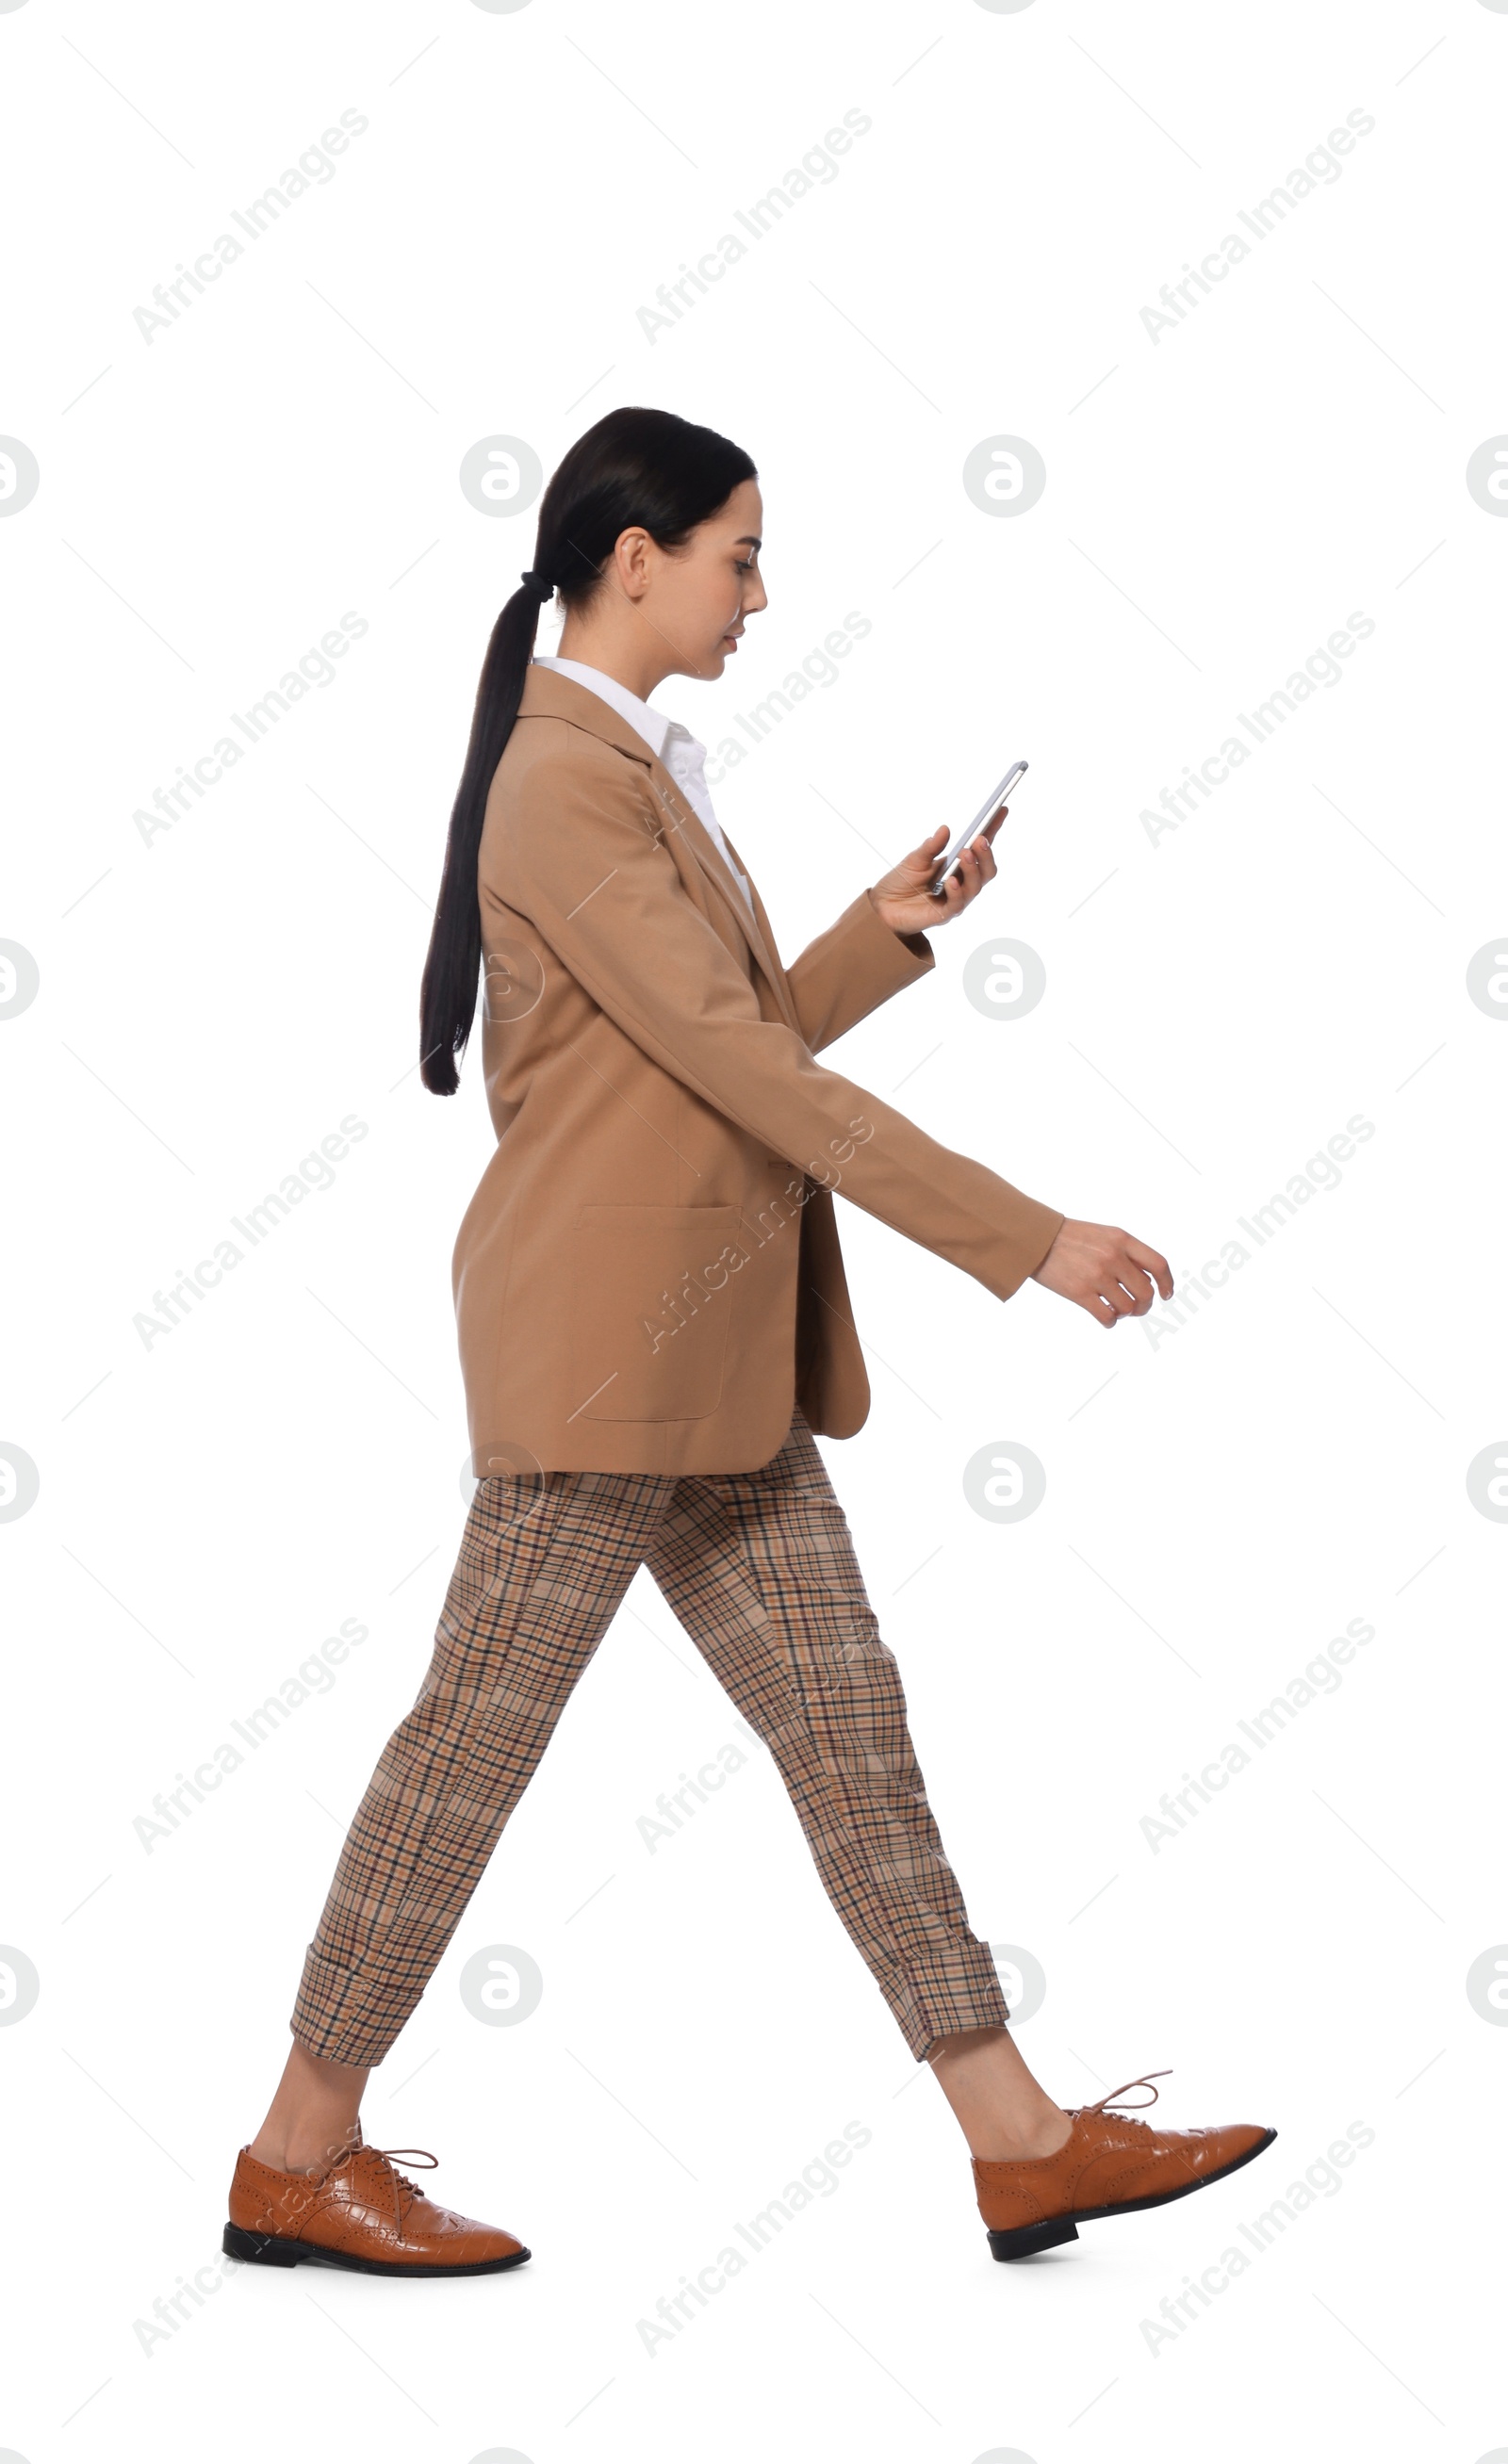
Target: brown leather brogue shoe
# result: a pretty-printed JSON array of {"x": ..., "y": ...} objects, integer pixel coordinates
[
  {"x": 358, "y": 2213},
  {"x": 1109, "y": 2164}
]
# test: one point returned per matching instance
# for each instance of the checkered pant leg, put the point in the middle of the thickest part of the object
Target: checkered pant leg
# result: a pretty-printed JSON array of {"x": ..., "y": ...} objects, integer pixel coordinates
[
  {"x": 542, "y": 1569},
  {"x": 759, "y": 1568}
]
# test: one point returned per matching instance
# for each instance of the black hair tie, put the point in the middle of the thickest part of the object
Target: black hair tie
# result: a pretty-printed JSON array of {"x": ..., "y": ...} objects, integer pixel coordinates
[{"x": 536, "y": 584}]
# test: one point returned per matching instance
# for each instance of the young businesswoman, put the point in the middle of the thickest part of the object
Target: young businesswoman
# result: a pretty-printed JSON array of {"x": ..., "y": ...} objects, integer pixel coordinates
[{"x": 653, "y": 1324}]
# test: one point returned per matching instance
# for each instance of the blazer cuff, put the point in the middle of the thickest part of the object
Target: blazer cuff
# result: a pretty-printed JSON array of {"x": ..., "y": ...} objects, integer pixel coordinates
[
  {"x": 1033, "y": 1229},
  {"x": 903, "y": 956}
]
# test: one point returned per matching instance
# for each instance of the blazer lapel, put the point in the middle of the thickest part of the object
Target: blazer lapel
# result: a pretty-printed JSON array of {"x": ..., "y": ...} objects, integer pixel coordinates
[
  {"x": 774, "y": 970},
  {"x": 755, "y": 926},
  {"x": 547, "y": 694}
]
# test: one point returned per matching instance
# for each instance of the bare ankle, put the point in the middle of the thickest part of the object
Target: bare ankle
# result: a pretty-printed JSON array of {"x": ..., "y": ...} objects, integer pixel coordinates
[
  {"x": 315, "y": 2115},
  {"x": 1005, "y": 2115},
  {"x": 1024, "y": 2141},
  {"x": 303, "y": 2152}
]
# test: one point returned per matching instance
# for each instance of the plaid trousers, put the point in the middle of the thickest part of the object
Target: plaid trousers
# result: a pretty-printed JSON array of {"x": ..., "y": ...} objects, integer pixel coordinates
[{"x": 758, "y": 1566}]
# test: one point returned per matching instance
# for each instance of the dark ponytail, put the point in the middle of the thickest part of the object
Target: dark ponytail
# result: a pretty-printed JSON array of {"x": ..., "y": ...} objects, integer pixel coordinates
[{"x": 635, "y": 468}]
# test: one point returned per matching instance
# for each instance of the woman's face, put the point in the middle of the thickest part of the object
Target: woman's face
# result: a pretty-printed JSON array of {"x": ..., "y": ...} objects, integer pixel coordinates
[{"x": 698, "y": 597}]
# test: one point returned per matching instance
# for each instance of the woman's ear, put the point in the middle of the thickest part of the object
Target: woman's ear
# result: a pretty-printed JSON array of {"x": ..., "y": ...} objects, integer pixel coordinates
[{"x": 630, "y": 556}]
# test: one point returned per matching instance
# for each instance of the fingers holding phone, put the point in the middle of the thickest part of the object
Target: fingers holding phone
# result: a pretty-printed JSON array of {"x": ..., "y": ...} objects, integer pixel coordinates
[
  {"x": 915, "y": 895},
  {"x": 975, "y": 840},
  {"x": 971, "y": 866}
]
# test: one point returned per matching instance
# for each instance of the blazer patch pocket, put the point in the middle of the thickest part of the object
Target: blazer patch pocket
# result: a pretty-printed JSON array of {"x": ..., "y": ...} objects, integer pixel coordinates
[{"x": 648, "y": 1297}]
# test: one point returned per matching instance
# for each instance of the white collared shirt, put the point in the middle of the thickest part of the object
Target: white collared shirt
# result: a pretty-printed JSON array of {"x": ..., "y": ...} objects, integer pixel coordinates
[{"x": 672, "y": 743}]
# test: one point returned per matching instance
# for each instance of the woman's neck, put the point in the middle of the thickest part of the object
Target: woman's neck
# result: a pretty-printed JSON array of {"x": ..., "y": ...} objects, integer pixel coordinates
[{"x": 633, "y": 664}]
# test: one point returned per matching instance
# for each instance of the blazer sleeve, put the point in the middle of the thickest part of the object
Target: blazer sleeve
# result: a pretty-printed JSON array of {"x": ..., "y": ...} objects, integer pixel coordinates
[
  {"x": 851, "y": 968},
  {"x": 575, "y": 849}
]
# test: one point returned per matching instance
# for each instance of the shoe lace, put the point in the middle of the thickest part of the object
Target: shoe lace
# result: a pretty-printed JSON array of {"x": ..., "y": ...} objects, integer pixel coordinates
[
  {"x": 1117, "y": 2094},
  {"x": 400, "y": 2182}
]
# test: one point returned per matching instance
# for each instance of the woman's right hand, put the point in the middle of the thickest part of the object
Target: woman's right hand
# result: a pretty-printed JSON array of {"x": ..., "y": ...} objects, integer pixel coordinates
[{"x": 1105, "y": 1270}]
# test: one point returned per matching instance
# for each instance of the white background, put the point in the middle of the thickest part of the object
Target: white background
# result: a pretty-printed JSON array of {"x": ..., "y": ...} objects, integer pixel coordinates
[{"x": 1222, "y": 1497}]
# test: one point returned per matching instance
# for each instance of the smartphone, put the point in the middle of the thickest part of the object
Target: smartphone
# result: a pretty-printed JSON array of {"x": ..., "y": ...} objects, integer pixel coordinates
[{"x": 991, "y": 805}]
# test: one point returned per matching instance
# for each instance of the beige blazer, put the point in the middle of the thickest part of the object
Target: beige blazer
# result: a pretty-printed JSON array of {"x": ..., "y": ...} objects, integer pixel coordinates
[{"x": 648, "y": 1277}]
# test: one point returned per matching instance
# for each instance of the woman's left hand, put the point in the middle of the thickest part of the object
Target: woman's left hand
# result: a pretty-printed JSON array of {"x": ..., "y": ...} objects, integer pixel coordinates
[{"x": 903, "y": 898}]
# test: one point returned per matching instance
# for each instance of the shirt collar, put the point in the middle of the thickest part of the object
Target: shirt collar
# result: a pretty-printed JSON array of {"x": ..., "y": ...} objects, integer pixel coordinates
[{"x": 652, "y": 724}]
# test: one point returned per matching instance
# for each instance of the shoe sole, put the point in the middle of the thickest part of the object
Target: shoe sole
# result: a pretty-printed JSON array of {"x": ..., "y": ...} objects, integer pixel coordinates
[
  {"x": 277, "y": 2250},
  {"x": 1024, "y": 2241}
]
